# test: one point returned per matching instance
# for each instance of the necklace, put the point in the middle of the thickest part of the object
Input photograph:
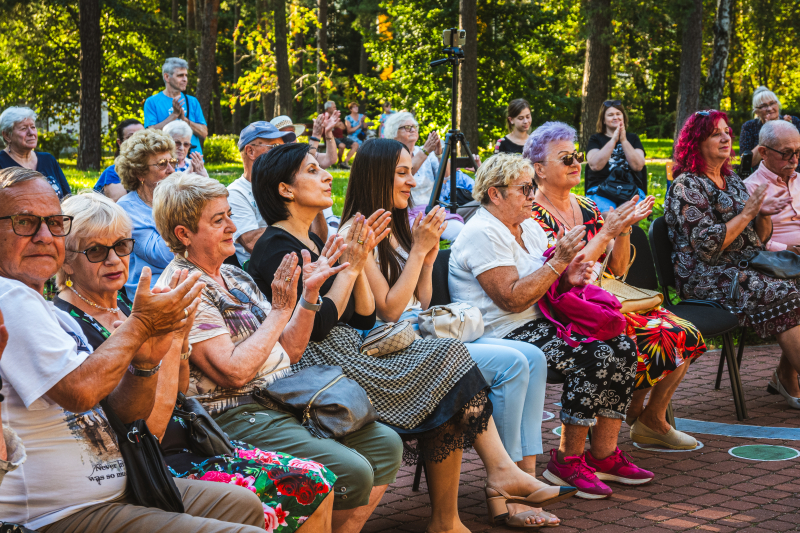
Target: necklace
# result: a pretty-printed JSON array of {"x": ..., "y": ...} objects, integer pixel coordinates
[
  {"x": 107, "y": 309},
  {"x": 563, "y": 219}
]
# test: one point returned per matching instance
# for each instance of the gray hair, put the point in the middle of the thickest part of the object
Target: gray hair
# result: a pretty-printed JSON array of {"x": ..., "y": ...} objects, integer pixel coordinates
[
  {"x": 14, "y": 175},
  {"x": 172, "y": 63},
  {"x": 94, "y": 216},
  {"x": 763, "y": 95},
  {"x": 179, "y": 200},
  {"x": 329, "y": 104},
  {"x": 775, "y": 131},
  {"x": 178, "y": 128},
  {"x": 12, "y": 115},
  {"x": 394, "y": 122}
]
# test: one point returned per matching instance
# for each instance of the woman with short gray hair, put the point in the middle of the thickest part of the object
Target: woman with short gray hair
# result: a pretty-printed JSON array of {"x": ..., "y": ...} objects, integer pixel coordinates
[
  {"x": 766, "y": 107},
  {"x": 18, "y": 128},
  {"x": 181, "y": 133}
]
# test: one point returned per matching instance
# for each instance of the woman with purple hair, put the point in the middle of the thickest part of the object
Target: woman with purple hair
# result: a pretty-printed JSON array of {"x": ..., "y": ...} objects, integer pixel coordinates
[{"x": 666, "y": 344}]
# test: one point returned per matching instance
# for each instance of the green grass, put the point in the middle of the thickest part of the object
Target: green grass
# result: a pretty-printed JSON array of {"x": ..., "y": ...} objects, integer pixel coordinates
[{"x": 662, "y": 148}]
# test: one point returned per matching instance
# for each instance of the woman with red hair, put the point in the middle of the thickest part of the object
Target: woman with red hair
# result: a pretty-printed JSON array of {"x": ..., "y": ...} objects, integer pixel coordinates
[{"x": 715, "y": 226}]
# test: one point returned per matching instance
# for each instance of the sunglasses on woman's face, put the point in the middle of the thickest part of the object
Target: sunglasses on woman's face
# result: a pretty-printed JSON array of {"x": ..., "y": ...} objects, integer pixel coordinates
[
  {"x": 612, "y": 103},
  {"x": 526, "y": 188},
  {"x": 162, "y": 164},
  {"x": 569, "y": 159},
  {"x": 409, "y": 128},
  {"x": 99, "y": 253}
]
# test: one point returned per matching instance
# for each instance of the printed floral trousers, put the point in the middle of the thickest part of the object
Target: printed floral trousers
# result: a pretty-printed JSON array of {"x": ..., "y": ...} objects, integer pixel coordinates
[{"x": 600, "y": 375}]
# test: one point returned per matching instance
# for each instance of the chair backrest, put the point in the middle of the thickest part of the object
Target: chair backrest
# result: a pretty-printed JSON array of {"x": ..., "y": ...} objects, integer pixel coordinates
[
  {"x": 441, "y": 289},
  {"x": 662, "y": 252},
  {"x": 642, "y": 272}
]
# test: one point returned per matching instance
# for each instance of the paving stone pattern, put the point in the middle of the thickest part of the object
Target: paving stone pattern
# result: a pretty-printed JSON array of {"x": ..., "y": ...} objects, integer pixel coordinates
[{"x": 706, "y": 490}]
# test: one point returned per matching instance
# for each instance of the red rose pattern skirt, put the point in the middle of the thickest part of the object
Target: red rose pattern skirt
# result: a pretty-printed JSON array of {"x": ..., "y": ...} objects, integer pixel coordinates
[{"x": 290, "y": 489}]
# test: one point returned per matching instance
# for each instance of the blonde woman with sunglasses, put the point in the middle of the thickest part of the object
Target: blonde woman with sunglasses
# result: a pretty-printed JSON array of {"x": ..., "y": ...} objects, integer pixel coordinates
[{"x": 145, "y": 159}]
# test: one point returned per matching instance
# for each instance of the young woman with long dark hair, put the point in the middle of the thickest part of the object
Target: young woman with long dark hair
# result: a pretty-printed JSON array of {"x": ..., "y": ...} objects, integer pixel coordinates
[{"x": 399, "y": 275}]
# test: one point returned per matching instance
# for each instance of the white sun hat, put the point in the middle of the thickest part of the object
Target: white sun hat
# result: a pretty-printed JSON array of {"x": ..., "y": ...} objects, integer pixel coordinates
[{"x": 283, "y": 121}]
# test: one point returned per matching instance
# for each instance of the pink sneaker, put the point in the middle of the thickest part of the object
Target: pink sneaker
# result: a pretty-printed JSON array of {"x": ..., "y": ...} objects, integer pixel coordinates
[
  {"x": 618, "y": 467},
  {"x": 575, "y": 472}
]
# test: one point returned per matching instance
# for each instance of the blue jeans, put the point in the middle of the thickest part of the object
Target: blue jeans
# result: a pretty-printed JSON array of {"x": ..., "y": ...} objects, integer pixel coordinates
[
  {"x": 517, "y": 374},
  {"x": 603, "y": 203}
]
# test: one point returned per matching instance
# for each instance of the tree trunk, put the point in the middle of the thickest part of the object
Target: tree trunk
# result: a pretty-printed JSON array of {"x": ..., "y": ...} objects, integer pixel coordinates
[
  {"x": 219, "y": 123},
  {"x": 715, "y": 80},
  {"x": 691, "y": 73},
  {"x": 363, "y": 60},
  {"x": 597, "y": 66},
  {"x": 284, "y": 97},
  {"x": 268, "y": 103},
  {"x": 322, "y": 48},
  {"x": 299, "y": 44},
  {"x": 191, "y": 26},
  {"x": 206, "y": 60},
  {"x": 90, "y": 143},
  {"x": 467, "y": 113},
  {"x": 236, "y": 119},
  {"x": 175, "y": 12}
]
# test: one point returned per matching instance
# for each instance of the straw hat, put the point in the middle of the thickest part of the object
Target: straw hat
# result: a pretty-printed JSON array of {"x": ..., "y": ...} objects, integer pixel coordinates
[{"x": 283, "y": 122}]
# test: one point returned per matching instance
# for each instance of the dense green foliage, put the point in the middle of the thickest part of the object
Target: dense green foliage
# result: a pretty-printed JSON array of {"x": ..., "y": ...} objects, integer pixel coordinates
[{"x": 380, "y": 49}]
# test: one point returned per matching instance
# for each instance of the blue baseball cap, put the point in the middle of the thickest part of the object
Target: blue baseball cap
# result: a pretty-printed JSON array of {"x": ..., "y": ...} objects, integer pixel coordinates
[{"x": 263, "y": 130}]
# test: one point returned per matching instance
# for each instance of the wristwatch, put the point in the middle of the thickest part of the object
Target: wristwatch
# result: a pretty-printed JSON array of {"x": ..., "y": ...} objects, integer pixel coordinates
[
  {"x": 138, "y": 372},
  {"x": 305, "y": 304}
]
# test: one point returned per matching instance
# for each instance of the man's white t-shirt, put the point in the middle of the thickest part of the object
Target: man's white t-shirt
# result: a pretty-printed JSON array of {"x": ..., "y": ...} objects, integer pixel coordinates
[
  {"x": 73, "y": 458},
  {"x": 246, "y": 215},
  {"x": 486, "y": 243}
]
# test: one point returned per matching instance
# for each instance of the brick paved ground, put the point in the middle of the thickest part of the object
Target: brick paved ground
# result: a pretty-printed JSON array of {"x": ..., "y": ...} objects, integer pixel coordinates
[{"x": 707, "y": 489}]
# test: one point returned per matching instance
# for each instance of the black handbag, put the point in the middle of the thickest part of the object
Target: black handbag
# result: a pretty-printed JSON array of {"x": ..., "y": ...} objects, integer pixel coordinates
[
  {"x": 781, "y": 265},
  {"x": 149, "y": 479},
  {"x": 206, "y": 438},
  {"x": 619, "y": 187},
  {"x": 328, "y": 403}
]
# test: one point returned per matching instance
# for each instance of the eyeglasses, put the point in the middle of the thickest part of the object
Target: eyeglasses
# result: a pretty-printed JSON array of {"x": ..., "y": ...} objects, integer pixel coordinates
[
  {"x": 568, "y": 159},
  {"x": 162, "y": 164},
  {"x": 188, "y": 146},
  {"x": 705, "y": 113},
  {"x": 526, "y": 188},
  {"x": 267, "y": 146},
  {"x": 99, "y": 253},
  {"x": 612, "y": 103},
  {"x": 409, "y": 128},
  {"x": 786, "y": 156},
  {"x": 255, "y": 309},
  {"x": 28, "y": 225},
  {"x": 768, "y": 104}
]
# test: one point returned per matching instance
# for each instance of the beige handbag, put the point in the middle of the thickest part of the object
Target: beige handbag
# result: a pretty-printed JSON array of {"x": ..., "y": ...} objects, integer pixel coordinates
[
  {"x": 633, "y": 299},
  {"x": 388, "y": 339},
  {"x": 455, "y": 321}
]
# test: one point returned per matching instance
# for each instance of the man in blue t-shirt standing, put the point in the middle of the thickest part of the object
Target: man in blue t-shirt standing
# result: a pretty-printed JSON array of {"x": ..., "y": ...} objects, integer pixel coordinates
[{"x": 174, "y": 104}]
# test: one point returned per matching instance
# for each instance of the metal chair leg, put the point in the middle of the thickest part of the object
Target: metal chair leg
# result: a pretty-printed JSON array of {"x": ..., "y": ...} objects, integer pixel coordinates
[
  {"x": 741, "y": 348},
  {"x": 670, "y": 415},
  {"x": 418, "y": 475},
  {"x": 719, "y": 370},
  {"x": 736, "y": 380}
]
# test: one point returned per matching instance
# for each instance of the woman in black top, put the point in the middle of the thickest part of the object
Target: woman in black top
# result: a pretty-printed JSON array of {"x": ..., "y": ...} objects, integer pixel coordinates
[
  {"x": 767, "y": 107},
  {"x": 612, "y": 148},
  {"x": 518, "y": 121}
]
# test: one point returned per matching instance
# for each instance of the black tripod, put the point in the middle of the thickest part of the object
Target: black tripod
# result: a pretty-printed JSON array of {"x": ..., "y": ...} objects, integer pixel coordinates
[{"x": 454, "y": 137}]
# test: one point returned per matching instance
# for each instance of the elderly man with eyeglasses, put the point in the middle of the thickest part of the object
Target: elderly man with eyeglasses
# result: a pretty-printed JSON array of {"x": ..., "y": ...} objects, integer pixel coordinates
[
  {"x": 779, "y": 151},
  {"x": 74, "y": 478}
]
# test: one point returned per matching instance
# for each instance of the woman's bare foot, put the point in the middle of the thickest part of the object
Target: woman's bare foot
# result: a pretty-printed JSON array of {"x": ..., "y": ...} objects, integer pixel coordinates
[
  {"x": 540, "y": 516},
  {"x": 515, "y": 482},
  {"x": 451, "y": 528}
]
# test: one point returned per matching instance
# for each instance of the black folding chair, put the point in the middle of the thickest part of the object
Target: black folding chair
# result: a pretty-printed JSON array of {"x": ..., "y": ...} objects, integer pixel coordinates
[{"x": 710, "y": 317}]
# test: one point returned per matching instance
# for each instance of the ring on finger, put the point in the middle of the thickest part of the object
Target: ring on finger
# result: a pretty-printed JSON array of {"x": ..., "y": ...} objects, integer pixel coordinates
[
  {"x": 287, "y": 279},
  {"x": 185, "y": 313},
  {"x": 359, "y": 241}
]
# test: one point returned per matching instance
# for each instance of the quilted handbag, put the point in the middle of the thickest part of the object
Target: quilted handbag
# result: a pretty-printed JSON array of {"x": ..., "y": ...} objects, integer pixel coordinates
[
  {"x": 388, "y": 339},
  {"x": 459, "y": 321},
  {"x": 633, "y": 299}
]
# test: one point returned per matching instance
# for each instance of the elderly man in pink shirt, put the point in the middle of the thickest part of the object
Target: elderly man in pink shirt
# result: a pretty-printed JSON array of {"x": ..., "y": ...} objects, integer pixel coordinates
[{"x": 779, "y": 148}]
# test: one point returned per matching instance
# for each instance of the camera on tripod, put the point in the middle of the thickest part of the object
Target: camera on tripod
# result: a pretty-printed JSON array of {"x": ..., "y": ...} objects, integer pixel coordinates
[{"x": 452, "y": 39}]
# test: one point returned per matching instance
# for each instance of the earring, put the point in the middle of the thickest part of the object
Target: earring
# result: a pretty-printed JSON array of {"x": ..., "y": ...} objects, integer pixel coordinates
[
  {"x": 68, "y": 283},
  {"x": 186, "y": 254}
]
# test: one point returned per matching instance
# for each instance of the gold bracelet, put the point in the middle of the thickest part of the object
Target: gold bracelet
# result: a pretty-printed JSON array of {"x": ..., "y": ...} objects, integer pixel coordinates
[
  {"x": 553, "y": 269},
  {"x": 630, "y": 230},
  {"x": 185, "y": 356}
]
